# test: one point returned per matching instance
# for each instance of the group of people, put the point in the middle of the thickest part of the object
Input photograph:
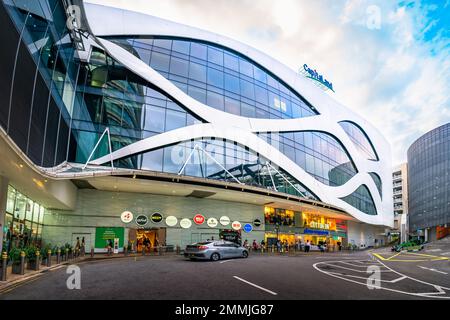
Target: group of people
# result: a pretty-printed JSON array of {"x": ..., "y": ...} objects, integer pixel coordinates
[
  {"x": 146, "y": 244},
  {"x": 284, "y": 220}
]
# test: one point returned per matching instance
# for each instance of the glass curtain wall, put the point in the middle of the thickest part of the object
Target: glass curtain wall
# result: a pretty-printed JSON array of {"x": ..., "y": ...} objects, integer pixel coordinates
[{"x": 24, "y": 220}]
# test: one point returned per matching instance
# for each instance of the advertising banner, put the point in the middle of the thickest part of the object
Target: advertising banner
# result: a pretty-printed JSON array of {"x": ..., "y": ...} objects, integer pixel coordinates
[{"x": 104, "y": 234}]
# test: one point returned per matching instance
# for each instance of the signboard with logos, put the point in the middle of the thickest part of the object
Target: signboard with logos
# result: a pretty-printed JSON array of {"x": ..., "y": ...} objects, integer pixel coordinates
[
  {"x": 236, "y": 225},
  {"x": 156, "y": 217},
  {"x": 105, "y": 234},
  {"x": 141, "y": 220},
  {"x": 318, "y": 78},
  {"x": 199, "y": 219},
  {"x": 171, "y": 221},
  {"x": 185, "y": 223},
  {"x": 126, "y": 217},
  {"x": 257, "y": 223},
  {"x": 224, "y": 220},
  {"x": 212, "y": 222},
  {"x": 248, "y": 228}
]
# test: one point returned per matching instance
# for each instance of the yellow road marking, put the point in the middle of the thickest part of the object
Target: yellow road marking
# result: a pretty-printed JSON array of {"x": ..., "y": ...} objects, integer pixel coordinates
[
  {"x": 391, "y": 258},
  {"x": 394, "y": 256},
  {"x": 379, "y": 256},
  {"x": 427, "y": 255}
]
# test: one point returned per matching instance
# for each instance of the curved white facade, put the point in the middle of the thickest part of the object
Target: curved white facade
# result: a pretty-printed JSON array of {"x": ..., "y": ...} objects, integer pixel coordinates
[{"x": 106, "y": 22}]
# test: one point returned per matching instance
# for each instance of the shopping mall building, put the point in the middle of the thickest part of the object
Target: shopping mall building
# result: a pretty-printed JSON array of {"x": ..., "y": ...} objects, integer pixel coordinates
[{"x": 116, "y": 124}]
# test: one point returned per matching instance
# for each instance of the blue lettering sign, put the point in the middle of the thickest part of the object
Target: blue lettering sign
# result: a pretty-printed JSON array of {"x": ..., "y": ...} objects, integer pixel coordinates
[
  {"x": 317, "y": 232},
  {"x": 317, "y": 77}
]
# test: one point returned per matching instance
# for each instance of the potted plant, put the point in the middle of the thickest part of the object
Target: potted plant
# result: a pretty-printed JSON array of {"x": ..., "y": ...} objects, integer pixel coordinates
[
  {"x": 14, "y": 257},
  {"x": 44, "y": 252},
  {"x": 32, "y": 258}
]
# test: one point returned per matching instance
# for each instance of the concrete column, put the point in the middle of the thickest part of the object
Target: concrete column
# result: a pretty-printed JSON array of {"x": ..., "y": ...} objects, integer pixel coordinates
[{"x": 3, "y": 198}]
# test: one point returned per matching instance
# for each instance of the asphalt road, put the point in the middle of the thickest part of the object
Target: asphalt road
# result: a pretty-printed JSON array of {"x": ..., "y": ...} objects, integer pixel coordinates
[{"x": 326, "y": 276}]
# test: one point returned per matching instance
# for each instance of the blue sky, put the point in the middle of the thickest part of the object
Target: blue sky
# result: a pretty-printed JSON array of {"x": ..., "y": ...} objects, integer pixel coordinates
[{"x": 388, "y": 60}]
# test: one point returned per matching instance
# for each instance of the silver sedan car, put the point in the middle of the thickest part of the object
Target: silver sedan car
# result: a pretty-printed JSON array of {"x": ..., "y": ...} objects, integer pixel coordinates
[{"x": 215, "y": 250}]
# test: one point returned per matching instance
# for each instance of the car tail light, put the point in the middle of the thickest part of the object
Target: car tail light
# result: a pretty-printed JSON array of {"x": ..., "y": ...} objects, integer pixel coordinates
[{"x": 202, "y": 247}]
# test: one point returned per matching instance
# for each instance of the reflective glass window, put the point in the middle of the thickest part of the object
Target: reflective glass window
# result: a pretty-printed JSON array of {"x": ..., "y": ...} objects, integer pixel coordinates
[
  {"x": 231, "y": 62},
  {"x": 215, "y": 78},
  {"x": 232, "y": 84},
  {"x": 160, "y": 62},
  {"x": 215, "y": 100},
  {"x": 181, "y": 46},
  {"x": 198, "y": 51},
  {"x": 247, "y": 89},
  {"x": 197, "y": 72},
  {"x": 155, "y": 119},
  {"x": 215, "y": 56},
  {"x": 246, "y": 68},
  {"x": 175, "y": 120},
  {"x": 179, "y": 67}
]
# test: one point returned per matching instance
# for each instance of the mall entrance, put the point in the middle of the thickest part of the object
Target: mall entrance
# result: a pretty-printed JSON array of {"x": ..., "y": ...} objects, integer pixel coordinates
[{"x": 148, "y": 238}]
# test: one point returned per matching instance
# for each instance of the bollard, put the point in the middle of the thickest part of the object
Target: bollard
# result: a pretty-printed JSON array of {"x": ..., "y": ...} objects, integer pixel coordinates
[
  {"x": 160, "y": 251},
  {"x": 143, "y": 250},
  {"x": 58, "y": 256},
  {"x": 92, "y": 252},
  {"x": 125, "y": 251},
  {"x": 178, "y": 250},
  {"x": 38, "y": 255},
  {"x": 22, "y": 263},
  {"x": 4, "y": 265},
  {"x": 49, "y": 258},
  {"x": 273, "y": 248},
  {"x": 66, "y": 255}
]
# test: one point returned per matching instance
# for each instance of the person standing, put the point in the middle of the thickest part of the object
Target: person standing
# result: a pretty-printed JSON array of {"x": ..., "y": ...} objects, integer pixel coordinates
[{"x": 307, "y": 246}]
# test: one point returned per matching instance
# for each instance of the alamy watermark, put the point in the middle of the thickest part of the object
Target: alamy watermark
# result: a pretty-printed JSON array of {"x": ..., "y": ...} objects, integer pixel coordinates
[
  {"x": 374, "y": 278},
  {"x": 373, "y": 21},
  {"x": 74, "y": 280}
]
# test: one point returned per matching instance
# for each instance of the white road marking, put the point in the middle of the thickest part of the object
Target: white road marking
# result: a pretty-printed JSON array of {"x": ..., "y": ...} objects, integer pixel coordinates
[
  {"x": 434, "y": 270},
  {"x": 433, "y": 250},
  {"x": 225, "y": 261},
  {"x": 440, "y": 289},
  {"x": 256, "y": 286}
]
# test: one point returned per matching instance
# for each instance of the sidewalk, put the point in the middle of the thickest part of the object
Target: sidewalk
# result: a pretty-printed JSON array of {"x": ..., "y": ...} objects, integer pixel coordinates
[{"x": 16, "y": 279}]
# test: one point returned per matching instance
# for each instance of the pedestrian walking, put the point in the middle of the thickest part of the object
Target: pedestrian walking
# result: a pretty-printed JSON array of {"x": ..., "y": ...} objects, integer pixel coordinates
[{"x": 307, "y": 246}]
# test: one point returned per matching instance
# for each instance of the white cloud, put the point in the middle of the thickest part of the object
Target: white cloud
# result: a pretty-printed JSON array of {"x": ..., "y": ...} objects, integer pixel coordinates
[{"x": 387, "y": 75}]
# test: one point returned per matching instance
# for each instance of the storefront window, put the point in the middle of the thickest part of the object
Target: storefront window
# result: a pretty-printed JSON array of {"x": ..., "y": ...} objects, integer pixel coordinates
[
  {"x": 29, "y": 210},
  {"x": 36, "y": 212},
  {"x": 10, "y": 200},
  {"x": 315, "y": 221},
  {"x": 23, "y": 221},
  {"x": 281, "y": 217},
  {"x": 19, "y": 210}
]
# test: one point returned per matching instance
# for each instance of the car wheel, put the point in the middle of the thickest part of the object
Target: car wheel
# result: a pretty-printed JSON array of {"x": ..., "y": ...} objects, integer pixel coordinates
[
  {"x": 215, "y": 257},
  {"x": 245, "y": 254}
]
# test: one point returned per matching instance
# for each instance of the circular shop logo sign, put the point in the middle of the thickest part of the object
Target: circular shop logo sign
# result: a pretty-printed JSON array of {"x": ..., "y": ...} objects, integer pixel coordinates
[
  {"x": 236, "y": 225},
  {"x": 199, "y": 219},
  {"x": 248, "y": 228},
  {"x": 185, "y": 223},
  {"x": 157, "y": 217},
  {"x": 257, "y": 223},
  {"x": 171, "y": 221},
  {"x": 212, "y": 222},
  {"x": 224, "y": 220},
  {"x": 126, "y": 217},
  {"x": 141, "y": 220}
]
